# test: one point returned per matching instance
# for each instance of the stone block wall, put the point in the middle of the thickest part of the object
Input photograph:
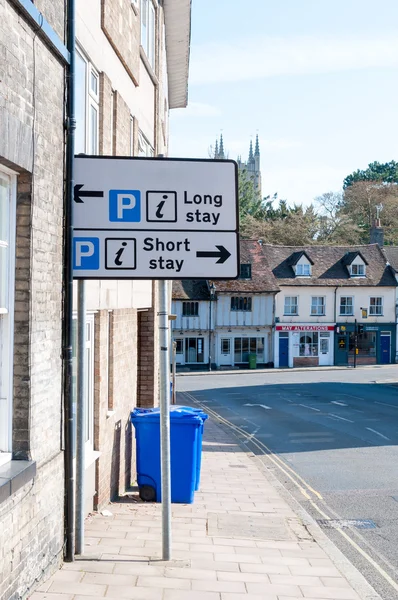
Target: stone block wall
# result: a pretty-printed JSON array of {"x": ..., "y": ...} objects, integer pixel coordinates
[
  {"x": 120, "y": 22},
  {"x": 32, "y": 121}
]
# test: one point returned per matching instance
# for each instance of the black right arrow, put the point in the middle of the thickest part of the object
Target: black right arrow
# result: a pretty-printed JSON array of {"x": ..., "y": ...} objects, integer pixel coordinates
[
  {"x": 78, "y": 194},
  {"x": 222, "y": 254}
]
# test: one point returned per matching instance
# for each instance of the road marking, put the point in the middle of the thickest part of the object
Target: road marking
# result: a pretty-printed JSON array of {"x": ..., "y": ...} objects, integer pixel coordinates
[
  {"x": 378, "y": 433},
  {"x": 351, "y": 396},
  {"x": 275, "y": 459},
  {"x": 310, "y": 407},
  {"x": 338, "y": 403},
  {"x": 341, "y": 418},
  {"x": 262, "y": 406},
  {"x": 385, "y": 404}
]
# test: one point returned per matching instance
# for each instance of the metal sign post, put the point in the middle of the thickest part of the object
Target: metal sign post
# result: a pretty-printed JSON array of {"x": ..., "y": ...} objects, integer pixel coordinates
[
  {"x": 165, "y": 419},
  {"x": 161, "y": 219}
]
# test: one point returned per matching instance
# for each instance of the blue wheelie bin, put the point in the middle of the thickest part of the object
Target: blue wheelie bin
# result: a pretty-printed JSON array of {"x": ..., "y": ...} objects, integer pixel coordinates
[
  {"x": 203, "y": 416},
  {"x": 185, "y": 426}
]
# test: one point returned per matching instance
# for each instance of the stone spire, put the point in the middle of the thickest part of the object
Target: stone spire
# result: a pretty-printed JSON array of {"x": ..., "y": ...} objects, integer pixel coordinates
[
  {"x": 216, "y": 150},
  {"x": 251, "y": 156},
  {"x": 221, "y": 152},
  {"x": 257, "y": 149}
]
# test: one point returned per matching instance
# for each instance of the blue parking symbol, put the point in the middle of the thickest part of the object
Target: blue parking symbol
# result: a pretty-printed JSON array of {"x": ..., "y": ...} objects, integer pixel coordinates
[
  {"x": 125, "y": 206},
  {"x": 86, "y": 254}
]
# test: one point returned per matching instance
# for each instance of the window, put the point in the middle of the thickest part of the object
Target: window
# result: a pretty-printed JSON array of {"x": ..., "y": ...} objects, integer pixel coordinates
[
  {"x": 148, "y": 30},
  {"x": 346, "y": 306},
  {"x": 245, "y": 346},
  {"x": 245, "y": 271},
  {"x": 179, "y": 346},
  {"x": 194, "y": 350},
  {"x": 309, "y": 344},
  {"x": 89, "y": 387},
  {"x": 7, "y": 285},
  {"x": 144, "y": 147},
  {"x": 303, "y": 270},
  {"x": 357, "y": 270},
  {"x": 87, "y": 106},
  {"x": 376, "y": 306},
  {"x": 190, "y": 309},
  {"x": 241, "y": 304},
  {"x": 291, "y": 305},
  {"x": 317, "y": 306},
  {"x": 225, "y": 346}
]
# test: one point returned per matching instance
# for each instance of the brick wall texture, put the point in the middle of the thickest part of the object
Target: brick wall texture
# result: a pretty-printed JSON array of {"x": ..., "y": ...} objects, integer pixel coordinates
[
  {"x": 115, "y": 395},
  {"x": 122, "y": 127},
  {"x": 121, "y": 26},
  {"x": 31, "y": 521},
  {"x": 106, "y": 116}
]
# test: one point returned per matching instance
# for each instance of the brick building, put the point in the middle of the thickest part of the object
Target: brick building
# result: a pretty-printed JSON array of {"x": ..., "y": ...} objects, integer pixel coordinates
[{"x": 132, "y": 67}]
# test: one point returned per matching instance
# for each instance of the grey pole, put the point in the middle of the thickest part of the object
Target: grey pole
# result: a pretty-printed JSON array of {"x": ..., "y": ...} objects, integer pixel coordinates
[
  {"x": 80, "y": 414},
  {"x": 174, "y": 378},
  {"x": 165, "y": 418}
]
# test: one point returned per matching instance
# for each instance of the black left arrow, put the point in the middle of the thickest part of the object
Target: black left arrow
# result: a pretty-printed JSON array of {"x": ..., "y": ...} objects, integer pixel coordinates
[
  {"x": 79, "y": 194},
  {"x": 222, "y": 254}
]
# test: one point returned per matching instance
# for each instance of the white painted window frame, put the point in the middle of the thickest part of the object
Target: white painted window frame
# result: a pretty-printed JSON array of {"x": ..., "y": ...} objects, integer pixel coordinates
[
  {"x": 7, "y": 327},
  {"x": 345, "y": 314},
  {"x": 290, "y": 304},
  {"x": 317, "y": 306},
  {"x": 148, "y": 37},
  {"x": 359, "y": 265},
  {"x": 92, "y": 101},
  {"x": 303, "y": 267},
  {"x": 381, "y": 305}
]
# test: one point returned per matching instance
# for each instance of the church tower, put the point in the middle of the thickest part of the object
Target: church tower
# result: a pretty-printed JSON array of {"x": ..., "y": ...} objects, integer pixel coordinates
[{"x": 249, "y": 169}]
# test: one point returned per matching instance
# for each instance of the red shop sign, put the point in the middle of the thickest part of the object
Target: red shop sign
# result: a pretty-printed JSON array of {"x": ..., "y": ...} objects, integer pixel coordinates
[{"x": 305, "y": 327}]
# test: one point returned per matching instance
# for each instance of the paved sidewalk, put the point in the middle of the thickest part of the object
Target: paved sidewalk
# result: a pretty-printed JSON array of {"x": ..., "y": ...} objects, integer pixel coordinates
[{"x": 240, "y": 540}]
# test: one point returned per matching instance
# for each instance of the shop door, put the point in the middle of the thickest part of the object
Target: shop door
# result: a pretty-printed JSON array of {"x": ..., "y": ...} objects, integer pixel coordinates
[
  {"x": 283, "y": 351},
  {"x": 385, "y": 345},
  {"x": 324, "y": 350},
  {"x": 225, "y": 352}
]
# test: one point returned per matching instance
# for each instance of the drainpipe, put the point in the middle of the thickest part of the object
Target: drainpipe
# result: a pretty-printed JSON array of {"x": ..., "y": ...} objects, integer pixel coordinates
[{"x": 68, "y": 284}]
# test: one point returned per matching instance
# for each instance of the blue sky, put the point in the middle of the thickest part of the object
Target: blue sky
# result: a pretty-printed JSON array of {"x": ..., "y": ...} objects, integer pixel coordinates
[{"x": 317, "y": 80}]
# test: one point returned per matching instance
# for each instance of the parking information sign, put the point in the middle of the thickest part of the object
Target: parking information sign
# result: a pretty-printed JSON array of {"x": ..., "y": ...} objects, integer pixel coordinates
[{"x": 155, "y": 218}]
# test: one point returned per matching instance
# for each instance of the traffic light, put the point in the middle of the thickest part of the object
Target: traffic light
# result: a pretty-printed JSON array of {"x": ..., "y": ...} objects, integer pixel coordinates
[{"x": 361, "y": 328}]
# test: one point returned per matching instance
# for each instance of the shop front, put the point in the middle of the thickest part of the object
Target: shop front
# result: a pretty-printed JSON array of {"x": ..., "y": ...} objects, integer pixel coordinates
[
  {"x": 374, "y": 344},
  {"x": 304, "y": 345},
  {"x": 233, "y": 348}
]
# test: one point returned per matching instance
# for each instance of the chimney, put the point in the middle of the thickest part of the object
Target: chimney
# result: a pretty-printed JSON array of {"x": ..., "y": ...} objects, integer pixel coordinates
[{"x": 377, "y": 233}]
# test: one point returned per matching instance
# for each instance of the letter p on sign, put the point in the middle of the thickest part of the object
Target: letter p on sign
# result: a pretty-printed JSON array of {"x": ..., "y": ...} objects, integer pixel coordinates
[
  {"x": 86, "y": 254},
  {"x": 125, "y": 206}
]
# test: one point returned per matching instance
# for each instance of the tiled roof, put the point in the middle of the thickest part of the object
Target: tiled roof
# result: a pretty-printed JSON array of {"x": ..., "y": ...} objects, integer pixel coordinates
[
  {"x": 328, "y": 266},
  {"x": 262, "y": 279},
  {"x": 349, "y": 258},
  {"x": 391, "y": 253},
  {"x": 295, "y": 257},
  {"x": 190, "y": 289}
]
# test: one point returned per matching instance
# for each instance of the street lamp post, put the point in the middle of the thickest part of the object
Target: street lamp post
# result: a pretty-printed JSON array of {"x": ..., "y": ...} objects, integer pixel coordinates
[{"x": 212, "y": 296}]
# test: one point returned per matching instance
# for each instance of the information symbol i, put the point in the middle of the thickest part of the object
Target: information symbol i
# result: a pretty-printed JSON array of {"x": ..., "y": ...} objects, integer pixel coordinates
[
  {"x": 120, "y": 253},
  {"x": 161, "y": 206}
]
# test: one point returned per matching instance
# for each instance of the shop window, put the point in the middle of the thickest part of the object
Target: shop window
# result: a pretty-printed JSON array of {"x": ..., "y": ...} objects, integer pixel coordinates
[
  {"x": 366, "y": 343},
  {"x": 241, "y": 304},
  {"x": 245, "y": 346},
  {"x": 317, "y": 306},
  {"x": 179, "y": 346},
  {"x": 190, "y": 309},
  {"x": 376, "y": 306},
  {"x": 194, "y": 350},
  {"x": 7, "y": 285},
  {"x": 303, "y": 270},
  {"x": 346, "y": 306},
  {"x": 291, "y": 305},
  {"x": 309, "y": 344}
]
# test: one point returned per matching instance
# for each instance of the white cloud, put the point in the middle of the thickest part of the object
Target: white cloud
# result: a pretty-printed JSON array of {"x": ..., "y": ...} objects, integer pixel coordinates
[
  {"x": 198, "y": 110},
  {"x": 267, "y": 56}
]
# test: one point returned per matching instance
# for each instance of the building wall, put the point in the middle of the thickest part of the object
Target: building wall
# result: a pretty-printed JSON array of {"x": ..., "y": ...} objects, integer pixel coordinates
[
  {"x": 199, "y": 323},
  {"x": 361, "y": 299},
  {"x": 260, "y": 315},
  {"x": 31, "y": 520}
]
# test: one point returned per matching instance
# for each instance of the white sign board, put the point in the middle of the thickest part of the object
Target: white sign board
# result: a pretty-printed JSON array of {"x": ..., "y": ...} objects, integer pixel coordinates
[{"x": 155, "y": 218}]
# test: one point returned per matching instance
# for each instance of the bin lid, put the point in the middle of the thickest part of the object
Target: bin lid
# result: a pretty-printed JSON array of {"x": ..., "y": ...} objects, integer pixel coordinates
[
  {"x": 177, "y": 413},
  {"x": 197, "y": 411}
]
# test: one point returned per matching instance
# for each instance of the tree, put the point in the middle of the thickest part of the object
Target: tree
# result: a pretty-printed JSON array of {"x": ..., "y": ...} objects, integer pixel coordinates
[
  {"x": 381, "y": 172},
  {"x": 334, "y": 226}
]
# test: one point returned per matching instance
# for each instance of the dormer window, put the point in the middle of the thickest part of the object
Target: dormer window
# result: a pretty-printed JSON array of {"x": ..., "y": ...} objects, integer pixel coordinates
[
  {"x": 245, "y": 272},
  {"x": 357, "y": 270},
  {"x": 303, "y": 270}
]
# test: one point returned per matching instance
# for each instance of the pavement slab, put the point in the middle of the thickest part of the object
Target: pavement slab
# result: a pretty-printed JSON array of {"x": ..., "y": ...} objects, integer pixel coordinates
[{"x": 226, "y": 546}]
